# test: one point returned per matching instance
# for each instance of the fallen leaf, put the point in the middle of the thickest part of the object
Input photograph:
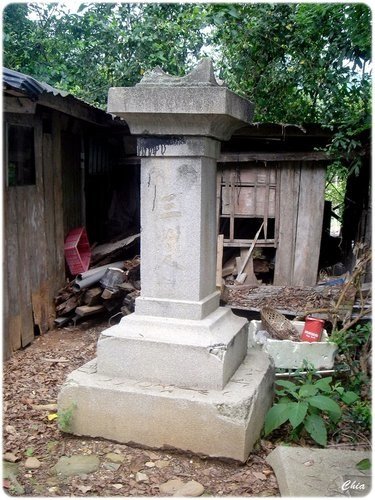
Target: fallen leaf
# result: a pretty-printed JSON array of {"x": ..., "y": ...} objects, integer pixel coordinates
[
  {"x": 52, "y": 416},
  {"x": 84, "y": 488},
  {"x": 10, "y": 429},
  {"x": 151, "y": 455},
  {"x": 259, "y": 475},
  {"x": 117, "y": 486},
  {"x": 6, "y": 483},
  {"x": 136, "y": 465},
  {"x": 267, "y": 472},
  {"x": 49, "y": 406},
  {"x": 160, "y": 464}
]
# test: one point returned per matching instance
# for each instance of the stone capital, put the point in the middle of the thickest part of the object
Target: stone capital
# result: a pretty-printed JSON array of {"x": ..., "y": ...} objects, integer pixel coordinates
[{"x": 192, "y": 105}]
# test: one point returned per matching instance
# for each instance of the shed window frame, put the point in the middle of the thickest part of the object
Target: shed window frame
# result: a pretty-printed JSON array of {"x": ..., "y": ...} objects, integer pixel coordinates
[{"x": 25, "y": 171}]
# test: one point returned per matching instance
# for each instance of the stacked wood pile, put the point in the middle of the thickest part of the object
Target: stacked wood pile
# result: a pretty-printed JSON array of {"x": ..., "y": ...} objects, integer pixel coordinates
[
  {"x": 343, "y": 301},
  {"x": 109, "y": 287}
]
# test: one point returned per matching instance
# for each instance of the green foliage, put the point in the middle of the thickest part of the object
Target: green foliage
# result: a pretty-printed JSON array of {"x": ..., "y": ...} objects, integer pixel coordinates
[
  {"x": 102, "y": 45},
  {"x": 65, "y": 417},
  {"x": 308, "y": 405},
  {"x": 29, "y": 452},
  {"x": 301, "y": 62},
  {"x": 354, "y": 349}
]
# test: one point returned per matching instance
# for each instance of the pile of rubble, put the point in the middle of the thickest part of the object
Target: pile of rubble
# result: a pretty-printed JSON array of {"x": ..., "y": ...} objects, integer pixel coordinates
[{"x": 109, "y": 287}]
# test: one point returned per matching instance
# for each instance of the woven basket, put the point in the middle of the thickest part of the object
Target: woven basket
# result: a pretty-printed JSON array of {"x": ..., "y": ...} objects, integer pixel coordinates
[{"x": 277, "y": 325}]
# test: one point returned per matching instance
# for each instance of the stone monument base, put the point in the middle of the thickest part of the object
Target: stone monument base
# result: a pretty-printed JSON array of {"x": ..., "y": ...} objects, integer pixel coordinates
[
  {"x": 216, "y": 423},
  {"x": 198, "y": 354}
]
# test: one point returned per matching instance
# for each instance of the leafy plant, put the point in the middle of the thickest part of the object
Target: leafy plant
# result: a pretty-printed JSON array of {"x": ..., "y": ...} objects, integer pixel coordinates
[
  {"x": 65, "y": 417},
  {"x": 354, "y": 347},
  {"x": 29, "y": 452},
  {"x": 308, "y": 405}
]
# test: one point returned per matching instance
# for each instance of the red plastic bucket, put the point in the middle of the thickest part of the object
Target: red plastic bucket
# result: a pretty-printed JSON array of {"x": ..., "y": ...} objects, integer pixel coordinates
[{"x": 313, "y": 329}]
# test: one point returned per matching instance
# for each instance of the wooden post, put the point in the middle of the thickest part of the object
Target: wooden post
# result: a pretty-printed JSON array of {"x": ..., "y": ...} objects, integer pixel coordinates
[{"x": 219, "y": 260}]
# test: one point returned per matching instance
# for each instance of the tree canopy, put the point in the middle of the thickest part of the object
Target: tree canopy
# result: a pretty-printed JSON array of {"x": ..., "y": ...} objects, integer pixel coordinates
[{"x": 300, "y": 62}]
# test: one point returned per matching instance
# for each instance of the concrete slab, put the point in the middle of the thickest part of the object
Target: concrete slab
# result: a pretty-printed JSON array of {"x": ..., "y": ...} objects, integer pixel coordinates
[
  {"x": 290, "y": 354},
  {"x": 207, "y": 422},
  {"x": 186, "y": 353},
  {"x": 306, "y": 472}
]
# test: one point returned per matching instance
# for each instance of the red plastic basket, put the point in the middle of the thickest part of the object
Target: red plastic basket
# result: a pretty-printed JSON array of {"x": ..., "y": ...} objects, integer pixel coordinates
[{"x": 77, "y": 251}]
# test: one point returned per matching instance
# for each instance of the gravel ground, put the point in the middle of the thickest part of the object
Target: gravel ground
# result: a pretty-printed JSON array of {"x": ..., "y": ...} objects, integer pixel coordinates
[{"x": 31, "y": 382}]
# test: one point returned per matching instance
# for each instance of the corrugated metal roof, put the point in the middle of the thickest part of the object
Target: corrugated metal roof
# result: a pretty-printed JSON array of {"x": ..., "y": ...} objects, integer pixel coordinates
[{"x": 28, "y": 85}]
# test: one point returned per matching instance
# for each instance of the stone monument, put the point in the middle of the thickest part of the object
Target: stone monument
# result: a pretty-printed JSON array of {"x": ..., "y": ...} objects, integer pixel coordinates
[{"x": 176, "y": 373}]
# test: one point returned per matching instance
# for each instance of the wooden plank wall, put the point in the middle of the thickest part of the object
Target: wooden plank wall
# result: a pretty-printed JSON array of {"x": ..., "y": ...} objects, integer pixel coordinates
[
  {"x": 309, "y": 224},
  {"x": 301, "y": 217},
  {"x": 33, "y": 241},
  {"x": 289, "y": 177}
]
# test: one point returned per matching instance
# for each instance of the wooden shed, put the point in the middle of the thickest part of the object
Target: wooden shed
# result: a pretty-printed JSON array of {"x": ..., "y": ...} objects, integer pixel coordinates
[
  {"x": 270, "y": 192},
  {"x": 60, "y": 160}
]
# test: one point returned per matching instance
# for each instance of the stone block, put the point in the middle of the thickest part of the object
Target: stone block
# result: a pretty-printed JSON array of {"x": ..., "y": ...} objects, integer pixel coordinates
[
  {"x": 166, "y": 110},
  {"x": 290, "y": 354},
  {"x": 178, "y": 250},
  {"x": 320, "y": 473},
  {"x": 185, "y": 353},
  {"x": 212, "y": 423}
]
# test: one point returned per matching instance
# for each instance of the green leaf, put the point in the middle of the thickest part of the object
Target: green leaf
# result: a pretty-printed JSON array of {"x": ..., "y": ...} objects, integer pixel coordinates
[
  {"x": 275, "y": 417},
  {"x": 324, "y": 384},
  {"x": 314, "y": 425},
  {"x": 297, "y": 413},
  {"x": 326, "y": 404},
  {"x": 308, "y": 390},
  {"x": 287, "y": 384},
  {"x": 364, "y": 464},
  {"x": 349, "y": 397}
]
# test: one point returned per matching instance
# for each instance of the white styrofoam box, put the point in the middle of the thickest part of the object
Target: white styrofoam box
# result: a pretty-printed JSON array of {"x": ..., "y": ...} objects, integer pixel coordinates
[{"x": 290, "y": 354}]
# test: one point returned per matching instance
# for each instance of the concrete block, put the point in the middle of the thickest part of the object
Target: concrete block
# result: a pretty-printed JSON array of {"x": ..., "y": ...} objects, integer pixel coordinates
[
  {"x": 179, "y": 309},
  {"x": 160, "y": 110},
  {"x": 207, "y": 422},
  {"x": 311, "y": 472},
  {"x": 289, "y": 354},
  {"x": 185, "y": 353}
]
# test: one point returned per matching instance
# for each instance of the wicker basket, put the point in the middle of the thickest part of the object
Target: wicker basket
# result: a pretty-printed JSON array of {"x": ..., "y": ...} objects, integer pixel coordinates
[{"x": 277, "y": 325}]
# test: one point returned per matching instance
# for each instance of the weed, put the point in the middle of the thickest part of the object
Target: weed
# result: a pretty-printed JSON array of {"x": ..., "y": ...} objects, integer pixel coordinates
[
  {"x": 65, "y": 417},
  {"x": 308, "y": 405}
]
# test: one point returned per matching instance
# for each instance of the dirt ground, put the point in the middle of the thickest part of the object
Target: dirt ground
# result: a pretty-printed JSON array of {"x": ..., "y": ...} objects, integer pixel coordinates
[{"x": 32, "y": 379}]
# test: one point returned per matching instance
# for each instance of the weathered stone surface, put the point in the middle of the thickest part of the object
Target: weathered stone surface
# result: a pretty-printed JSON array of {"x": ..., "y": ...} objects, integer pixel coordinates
[
  {"x": 115, "y": 458},
  {"x": 166, "y": 351},
  {"x": 32, "y": 463},
  {"x": 202, "y": 75},
  {"x": 210, "y": 422},
  {"x": 77, "y": 465},
  {"x": 10, "y": 470},
  {"x": 171, "y": 486},
  {"x": 191, "y": 105},
  {"x": 190, "y": 489},
  {"x": 141, "y": 477},
  {"x": 10, "y": 457},
  {"x": 111, "y": 466},
  {"x": 320, "y": 472}
]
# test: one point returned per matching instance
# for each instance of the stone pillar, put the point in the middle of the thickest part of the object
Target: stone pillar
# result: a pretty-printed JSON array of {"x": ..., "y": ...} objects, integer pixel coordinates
[{"x": 178, "y": 340}]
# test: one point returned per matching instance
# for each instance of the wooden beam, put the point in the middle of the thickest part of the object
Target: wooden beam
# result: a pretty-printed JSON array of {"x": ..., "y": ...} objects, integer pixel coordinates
[
  {"x": 18, "y": 105},
  {"x": 265, "y": 156}
]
